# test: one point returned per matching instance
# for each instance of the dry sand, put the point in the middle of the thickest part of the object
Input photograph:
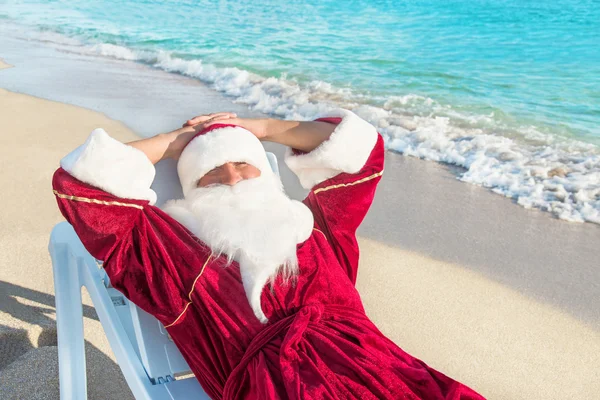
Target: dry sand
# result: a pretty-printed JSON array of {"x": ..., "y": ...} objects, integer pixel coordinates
[
  {"x": 34, "y": 136},
  {"x": 468, "y": 323},
  {"x": 482, "y": 333}
]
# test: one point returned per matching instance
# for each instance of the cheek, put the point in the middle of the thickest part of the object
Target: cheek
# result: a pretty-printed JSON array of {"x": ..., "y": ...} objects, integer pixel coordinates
[
  {"x": 207, "y": 180},
  {"x": 252, "y": 172}
]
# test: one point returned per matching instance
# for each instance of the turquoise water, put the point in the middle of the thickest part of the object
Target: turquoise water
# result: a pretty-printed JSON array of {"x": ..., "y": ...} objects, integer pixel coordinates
[
  {"x": 529, "y": 62},
  {"x": 507, "y": 89}
]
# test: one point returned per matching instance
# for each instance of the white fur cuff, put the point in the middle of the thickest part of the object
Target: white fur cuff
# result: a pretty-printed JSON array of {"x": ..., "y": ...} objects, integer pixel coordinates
[
  {"x": 112, "y": 166},
  {"x": 347, "y": 150}
]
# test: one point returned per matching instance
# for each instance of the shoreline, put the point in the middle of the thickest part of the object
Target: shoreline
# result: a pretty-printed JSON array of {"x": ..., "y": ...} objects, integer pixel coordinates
[
  {"x": 542, "y": 170},
  {"x": 496, "y": 296},
  {"x": 4, "y": 65}
]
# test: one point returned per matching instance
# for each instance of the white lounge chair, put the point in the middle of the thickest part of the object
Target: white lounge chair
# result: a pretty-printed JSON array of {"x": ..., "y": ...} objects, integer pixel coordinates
[{"x": 149, "y": 359}]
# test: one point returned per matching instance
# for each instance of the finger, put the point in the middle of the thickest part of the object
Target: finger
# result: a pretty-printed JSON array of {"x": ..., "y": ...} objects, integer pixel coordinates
[
  {"x": 202, "y": 118},
  {"x": 216, "y": 116},
  {"x": 192, "y": 122},
  {"x": 197, "y": 120},
  {"x": 222, "y": 115},
  {"x": 216, "y": 121}
]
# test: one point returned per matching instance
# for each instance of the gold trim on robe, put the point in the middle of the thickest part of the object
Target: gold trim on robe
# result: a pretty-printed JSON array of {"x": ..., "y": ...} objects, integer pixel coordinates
[
  {"x": 368, "y": 178},
  {"x": 190, "y": 293},
  {"x": 180, "y": 315},
  {"x": 321, "y": 232},
  {"x": 196, "y": 280},
  {"x": 94, "y": 201}
]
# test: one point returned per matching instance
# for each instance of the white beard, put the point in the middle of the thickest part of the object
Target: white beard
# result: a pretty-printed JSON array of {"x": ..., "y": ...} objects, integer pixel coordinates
[{"x": 253, "y": 223}]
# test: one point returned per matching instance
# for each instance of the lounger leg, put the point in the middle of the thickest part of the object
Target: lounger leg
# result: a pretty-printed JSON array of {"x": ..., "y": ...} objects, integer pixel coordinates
[{"x": 69, "y": 321}]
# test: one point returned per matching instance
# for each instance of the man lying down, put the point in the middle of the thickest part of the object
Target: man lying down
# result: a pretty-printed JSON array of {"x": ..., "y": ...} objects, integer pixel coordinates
[{"x": 257, "y": 290}]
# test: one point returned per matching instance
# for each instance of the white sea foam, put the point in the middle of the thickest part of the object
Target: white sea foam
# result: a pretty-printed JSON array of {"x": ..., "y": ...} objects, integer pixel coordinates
[{"x": 537, "y": 169}]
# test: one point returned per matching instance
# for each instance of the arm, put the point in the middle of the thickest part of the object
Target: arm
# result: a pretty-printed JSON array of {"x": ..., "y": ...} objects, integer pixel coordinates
[
  {"x": 103, "y": 191},
  {"x": 304, "y": 136},
  {"x": 339, "y": 205},
  {"x": 342, "y": 173},
  {"x": 134, "y": 239},
  {"x": 162, "y": 146}
]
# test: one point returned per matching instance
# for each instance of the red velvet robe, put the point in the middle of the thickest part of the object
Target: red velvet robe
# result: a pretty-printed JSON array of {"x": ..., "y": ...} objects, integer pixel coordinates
[{"x": 318, "y": 343}]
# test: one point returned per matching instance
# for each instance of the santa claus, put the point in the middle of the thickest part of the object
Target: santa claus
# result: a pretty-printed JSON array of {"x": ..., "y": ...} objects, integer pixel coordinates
[{"x": 256, "y": 290}]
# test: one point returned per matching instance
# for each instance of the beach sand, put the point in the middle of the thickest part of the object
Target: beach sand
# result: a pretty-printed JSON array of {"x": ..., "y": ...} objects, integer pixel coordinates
[
  {"x": 499, "y": 297},
  {"x": 35, "y": 133}
]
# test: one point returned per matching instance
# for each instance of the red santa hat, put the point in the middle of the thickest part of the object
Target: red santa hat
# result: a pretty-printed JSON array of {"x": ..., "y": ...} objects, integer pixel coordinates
[{"x": 216, "y": 145}]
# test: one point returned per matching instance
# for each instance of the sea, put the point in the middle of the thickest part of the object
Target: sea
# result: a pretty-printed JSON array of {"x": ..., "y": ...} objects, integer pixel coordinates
[{"x": 507, "y": 90}]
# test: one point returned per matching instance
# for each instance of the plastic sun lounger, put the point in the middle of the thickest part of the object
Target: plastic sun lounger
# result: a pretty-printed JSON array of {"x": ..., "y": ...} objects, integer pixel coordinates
[{"x": 148, "y": 358}]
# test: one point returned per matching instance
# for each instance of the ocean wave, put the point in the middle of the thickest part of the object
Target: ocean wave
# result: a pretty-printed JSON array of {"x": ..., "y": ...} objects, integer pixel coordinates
[{"x": 536, "y": 169}]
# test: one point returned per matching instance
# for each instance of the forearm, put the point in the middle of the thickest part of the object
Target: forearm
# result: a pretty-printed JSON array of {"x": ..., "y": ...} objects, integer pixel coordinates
[
  {"x": 164, "y": 145},
  {"x": 305, "y": 135},
  {"x": 346, "y": 150}
]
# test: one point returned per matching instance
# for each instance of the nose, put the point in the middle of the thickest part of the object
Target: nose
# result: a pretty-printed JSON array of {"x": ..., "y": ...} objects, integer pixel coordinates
[{"x": 231, "y": 175}]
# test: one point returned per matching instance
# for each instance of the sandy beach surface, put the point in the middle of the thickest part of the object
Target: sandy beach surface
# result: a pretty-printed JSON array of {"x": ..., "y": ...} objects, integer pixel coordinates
[
  {"x": 501, "y": 298},
  {"x": 34, "y": 135}
]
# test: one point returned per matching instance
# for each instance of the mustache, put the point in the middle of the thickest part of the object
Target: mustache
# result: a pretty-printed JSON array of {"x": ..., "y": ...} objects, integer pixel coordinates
[{"x": 244, "y": 193}]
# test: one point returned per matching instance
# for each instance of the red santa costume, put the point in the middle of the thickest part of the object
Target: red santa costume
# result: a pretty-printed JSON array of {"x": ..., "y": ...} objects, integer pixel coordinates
[{"x": 304, "y": 335}]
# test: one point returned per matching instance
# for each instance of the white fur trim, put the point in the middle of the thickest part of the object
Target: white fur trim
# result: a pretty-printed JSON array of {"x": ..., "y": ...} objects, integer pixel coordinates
[
  {"x": 347, "y": 150},
  {"x": 305, "y": 220},
  {"x": 217, "y": 147},
  {"x": 112, "y": 166}
]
